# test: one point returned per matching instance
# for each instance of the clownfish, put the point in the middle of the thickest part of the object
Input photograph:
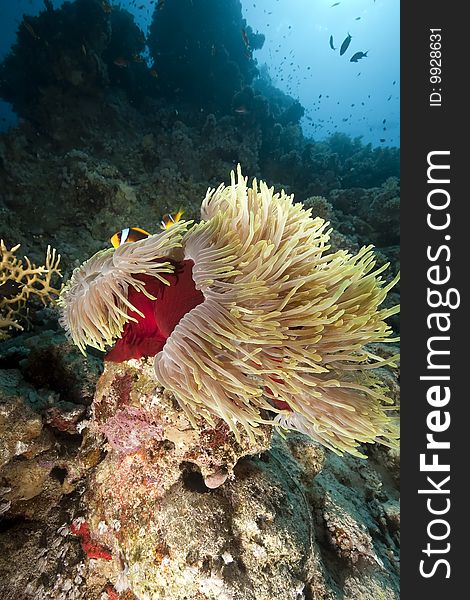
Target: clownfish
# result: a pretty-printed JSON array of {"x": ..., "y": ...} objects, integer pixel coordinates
[
  {"x": 134, "y": 234},
  {"x": 170, "y": 219},
  {"x": 129, "y": 234}
]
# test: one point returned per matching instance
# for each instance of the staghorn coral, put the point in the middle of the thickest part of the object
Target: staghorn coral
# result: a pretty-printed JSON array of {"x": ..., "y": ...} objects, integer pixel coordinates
[
  {"x": 246, "y": 315},
  {"x": 19, "y": 281}
]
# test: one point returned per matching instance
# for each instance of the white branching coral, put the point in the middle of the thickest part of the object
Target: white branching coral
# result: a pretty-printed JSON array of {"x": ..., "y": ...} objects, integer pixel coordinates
[
  {"x": 282, "y": 327},
  {"x": 20, "y": 279}
]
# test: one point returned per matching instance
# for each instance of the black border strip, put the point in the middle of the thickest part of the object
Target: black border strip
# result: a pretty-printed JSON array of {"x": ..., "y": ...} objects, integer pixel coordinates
[{"x": 439, "y": 127}]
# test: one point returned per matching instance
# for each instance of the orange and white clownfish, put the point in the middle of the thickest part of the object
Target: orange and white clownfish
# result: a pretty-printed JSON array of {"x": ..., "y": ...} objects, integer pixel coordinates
[
  {"x": 129, "y": 234},
  {"x": 170, "y": 219},
  {"x": 134, "y": 234}
]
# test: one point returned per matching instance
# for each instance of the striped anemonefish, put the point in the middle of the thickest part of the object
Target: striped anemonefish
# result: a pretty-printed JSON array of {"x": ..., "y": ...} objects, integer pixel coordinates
[
  {"x": 134, "y": 234},
  {"x": 170, "y": 219},
  {"x": 129, "y": 234}
]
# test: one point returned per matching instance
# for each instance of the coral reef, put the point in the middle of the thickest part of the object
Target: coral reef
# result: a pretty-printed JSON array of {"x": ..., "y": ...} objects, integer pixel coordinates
[
  {"x": 181, "y": 515},
  {"x": 135, "y": 167},
  {"x": 316, "y": 168},
  {"x": 375, "y": 212},
  {"x": 20, "y": 281},
  {"x": 178, "y": 513},
  {"x": 120, "y": 497},
  {"x": 112, "y": 139},
  {"x": 253, "y": 122}
]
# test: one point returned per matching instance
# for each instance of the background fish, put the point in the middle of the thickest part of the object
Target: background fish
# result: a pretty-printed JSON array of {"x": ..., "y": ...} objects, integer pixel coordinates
[
  {"x": 170, "y": 219},
  {"x": 121, "y": 62},
  {"x": 358, "y": 56},
  {"x": 345, "y": 45}
]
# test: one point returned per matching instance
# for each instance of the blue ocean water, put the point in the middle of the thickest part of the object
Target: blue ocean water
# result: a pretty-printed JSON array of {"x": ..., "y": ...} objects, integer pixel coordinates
[
  {"x": 338, "y": 95},
  {"x": 358, "y": 98}
]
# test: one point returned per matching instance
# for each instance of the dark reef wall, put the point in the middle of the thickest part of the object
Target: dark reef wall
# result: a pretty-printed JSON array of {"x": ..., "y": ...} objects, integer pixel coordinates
[
  {"x": 58, "y": 49},
  {"x": 76, "y": 52},
  {"x": 202, "y": 51}
]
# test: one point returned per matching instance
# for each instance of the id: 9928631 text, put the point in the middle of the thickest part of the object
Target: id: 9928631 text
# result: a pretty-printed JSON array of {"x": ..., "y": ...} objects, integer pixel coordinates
[{"x": 435, "y": 67}]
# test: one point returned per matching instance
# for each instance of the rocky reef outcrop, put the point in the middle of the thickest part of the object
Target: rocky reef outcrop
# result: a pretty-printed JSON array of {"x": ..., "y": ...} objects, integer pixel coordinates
[{"x": 124, "y": 499}]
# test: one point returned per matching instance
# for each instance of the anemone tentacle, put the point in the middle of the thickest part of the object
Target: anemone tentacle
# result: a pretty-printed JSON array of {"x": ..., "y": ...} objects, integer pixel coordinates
[
  {"x": 282, "y": 326},
  {"x": 282, "y": 319},
  {"x": 94, "y": 301}
]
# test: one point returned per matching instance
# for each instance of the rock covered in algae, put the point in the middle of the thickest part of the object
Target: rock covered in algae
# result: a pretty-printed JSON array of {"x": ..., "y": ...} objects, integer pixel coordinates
[
  {"x": 45, "y": 387},
  {"x": 183, "y": 513},
  {"x": 173, "y": 512},
  {"x": 294, "y": 521},
  {"x": 144, "y": 424},
  {"x": 43, "y": 398},
  {"x": 179, "y": 513}
]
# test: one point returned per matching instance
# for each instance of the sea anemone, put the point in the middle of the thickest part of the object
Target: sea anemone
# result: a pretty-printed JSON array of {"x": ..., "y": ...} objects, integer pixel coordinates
[{"x": 248, "y": 316}]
